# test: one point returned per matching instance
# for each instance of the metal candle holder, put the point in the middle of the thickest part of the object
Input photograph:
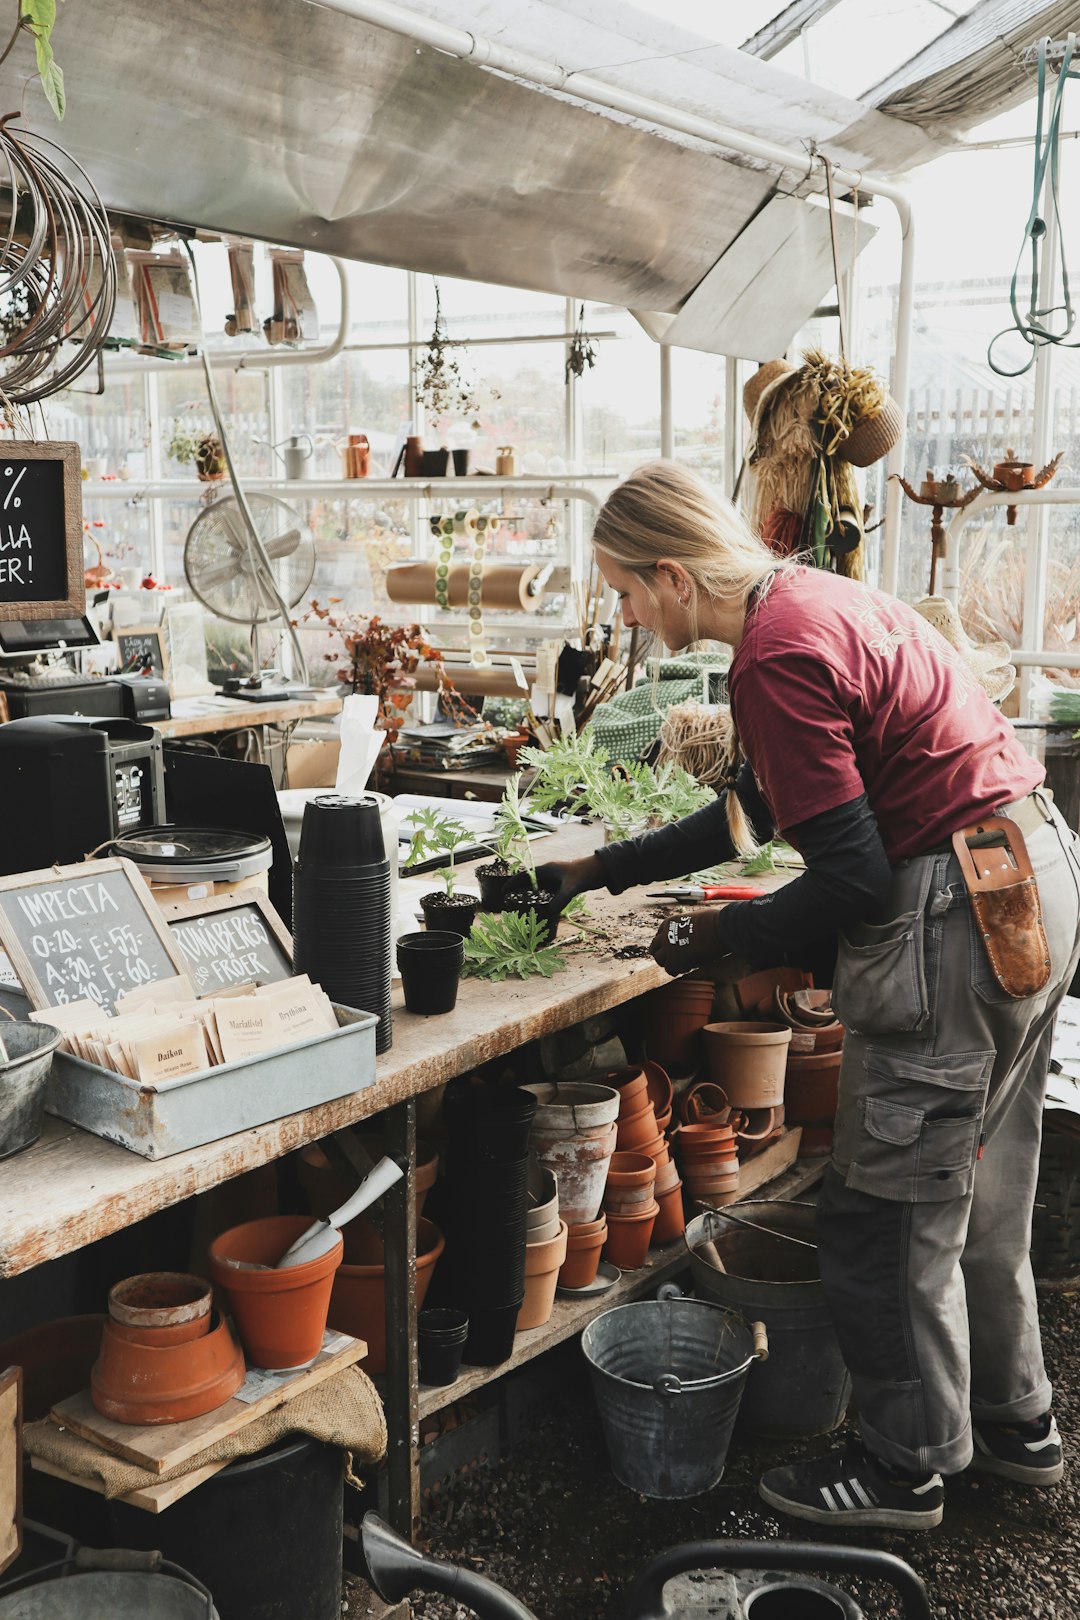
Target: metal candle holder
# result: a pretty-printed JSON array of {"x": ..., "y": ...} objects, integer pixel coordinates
[{"x": 937, "y": 493}]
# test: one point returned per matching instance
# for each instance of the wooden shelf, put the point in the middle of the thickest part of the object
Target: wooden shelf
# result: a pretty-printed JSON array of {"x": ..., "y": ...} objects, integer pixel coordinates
[{"x": 570, "y": 1316}]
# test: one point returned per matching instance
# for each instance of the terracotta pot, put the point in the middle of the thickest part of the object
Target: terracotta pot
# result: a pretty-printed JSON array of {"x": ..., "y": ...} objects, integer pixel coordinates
[
  {"x": 583, "y": 1246},
  {"x": 759, "y": 1124},
  {"x": 280, "y": 1315},
  {"x": 761, "y": 987},
  {"x": 804, "y": 1009},
  {"x": 659, "y": 1087},
  {"x": 162, "y": 1300},
  {"x": 656, "y": 1150},
  {"x": 542, "y": 1263},
  {"x": 702, "y": 1139},
  {"x": 327, "y": 1190},
  {"x": 704, "y": 1101},
  {"x": 748, "y": 1060},
  {"x": 828, "y": 1037},
  {"x": 358, "y": 1301},
  {"x": 636, "y": 1129},
  {"x": 576, "y": 1108},
  {"x": 663, "y": 1121},
  {"x": 628, "y": 1203},
  {"x": 632, "y": 1087},
  {"x": 817, "y": 1142},
  {"x": 160, "y": 1337},
  {"x": 56, "y": 1358},
  {"x": 629, "y": 1237},
  {"x": 812, "y": 1088},
  {"x": 140, "y": 1383},
  {"x": 667, "y": 1175},
  {"x": 580, "y": 1165},
  {"x": 630, "y": 1170},
  {"x": 673, "y": 1018},
  {"x": 670, "y": 1219},
  {"x": 803, "y": 1041}
]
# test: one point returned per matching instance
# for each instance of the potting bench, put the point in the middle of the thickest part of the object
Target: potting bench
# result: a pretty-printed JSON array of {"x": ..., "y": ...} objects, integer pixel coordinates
[{"x": 71, "y": 1188}]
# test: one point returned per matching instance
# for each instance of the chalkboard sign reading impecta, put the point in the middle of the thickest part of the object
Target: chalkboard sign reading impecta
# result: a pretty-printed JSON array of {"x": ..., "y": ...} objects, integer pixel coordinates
[
  {"x": 230, "y": 939},
  {"x": 91, "y": 930},
  {"x": 41, "y": 531}
]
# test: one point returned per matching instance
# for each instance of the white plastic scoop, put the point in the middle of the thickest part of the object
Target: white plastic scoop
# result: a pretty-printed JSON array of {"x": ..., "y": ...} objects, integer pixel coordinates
[{"x": 321, "y": 1236}]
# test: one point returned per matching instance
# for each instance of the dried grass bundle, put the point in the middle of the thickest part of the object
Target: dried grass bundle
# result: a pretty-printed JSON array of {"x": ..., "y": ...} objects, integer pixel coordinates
[
  {"x": 846, "y": 396},
  {"x": 697, "y": 736},
  {"x": 784, "y": 449}
]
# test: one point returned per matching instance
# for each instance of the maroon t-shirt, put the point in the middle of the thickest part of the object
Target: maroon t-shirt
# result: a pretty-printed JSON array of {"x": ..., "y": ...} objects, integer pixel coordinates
[{"x": 838, "y": 689}]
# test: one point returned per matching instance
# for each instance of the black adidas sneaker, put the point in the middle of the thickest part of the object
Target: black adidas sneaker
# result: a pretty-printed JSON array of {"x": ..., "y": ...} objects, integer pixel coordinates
[
  {"x": 854, "y": 1487},
  {"x": 1027, "y": 1452}
]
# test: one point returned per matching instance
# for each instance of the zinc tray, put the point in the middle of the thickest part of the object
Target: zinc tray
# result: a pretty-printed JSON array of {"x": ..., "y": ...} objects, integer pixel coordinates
[{"x": 156, "y": 1120}]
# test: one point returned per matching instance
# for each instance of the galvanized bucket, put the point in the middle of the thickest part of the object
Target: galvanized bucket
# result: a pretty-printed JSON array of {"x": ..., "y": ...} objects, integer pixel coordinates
[
  {"x": 23, "y": 1079},
  {"x": 139, "y": 1586},
  {"x": 804, "y": 1387},
  {"x": 668, "y": 1375}
]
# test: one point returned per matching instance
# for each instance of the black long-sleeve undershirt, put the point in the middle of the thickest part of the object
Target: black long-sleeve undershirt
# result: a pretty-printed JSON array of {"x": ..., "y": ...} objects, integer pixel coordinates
[{"x": 847, "y": 875}]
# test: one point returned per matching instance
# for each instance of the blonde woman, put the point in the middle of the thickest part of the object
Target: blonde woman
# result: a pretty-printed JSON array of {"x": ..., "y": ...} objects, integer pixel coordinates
[{"x": 863, "y": 737}]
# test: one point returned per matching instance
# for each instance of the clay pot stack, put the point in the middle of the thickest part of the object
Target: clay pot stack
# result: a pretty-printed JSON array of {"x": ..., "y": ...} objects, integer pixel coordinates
[
  {"x": 631, "y": 1208},
  {"x": 673, "y": 1018},
  {"x": 708, "y": 1160},
  {"x": 813, "y": 1066},
  {"x": 645, "y": 1112},
  {"x": 165, "y": 1355},
  {"x": 545, "y": 1246},
  {"x": 486, "y": 1212},
  {"x": 573, "y": 1136}
]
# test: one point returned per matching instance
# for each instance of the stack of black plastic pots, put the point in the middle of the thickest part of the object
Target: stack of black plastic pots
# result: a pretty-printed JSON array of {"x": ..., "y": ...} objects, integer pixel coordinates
[
  {"x": 341, "y": 906},
  {"x": 484, "y": 1208}
]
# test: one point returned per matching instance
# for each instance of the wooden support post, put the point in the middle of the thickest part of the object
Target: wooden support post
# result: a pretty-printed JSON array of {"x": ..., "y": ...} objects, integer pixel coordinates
[{"x": 402, "y": 1390}]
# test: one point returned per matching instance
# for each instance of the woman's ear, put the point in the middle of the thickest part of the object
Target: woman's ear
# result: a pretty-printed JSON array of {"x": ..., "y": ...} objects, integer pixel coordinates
[{"x": 678, "y": 578}]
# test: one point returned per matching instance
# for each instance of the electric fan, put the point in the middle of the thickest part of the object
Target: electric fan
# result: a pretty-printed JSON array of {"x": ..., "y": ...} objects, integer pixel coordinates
[{"x": 245, "y": 580}]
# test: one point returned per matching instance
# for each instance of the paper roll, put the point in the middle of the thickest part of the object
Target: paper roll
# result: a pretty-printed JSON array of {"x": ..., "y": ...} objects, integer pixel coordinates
[
  {"x": 504, "y": 587},
  {"x": 494, "y": 681}
]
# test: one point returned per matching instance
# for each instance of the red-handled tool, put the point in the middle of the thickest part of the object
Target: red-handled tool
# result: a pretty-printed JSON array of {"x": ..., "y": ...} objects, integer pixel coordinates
[{"x": 691, "y": 893}]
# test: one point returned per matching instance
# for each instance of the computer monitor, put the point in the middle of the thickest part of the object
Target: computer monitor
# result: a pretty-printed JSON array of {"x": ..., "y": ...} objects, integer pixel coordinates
[{"x": 26, "y": 638}]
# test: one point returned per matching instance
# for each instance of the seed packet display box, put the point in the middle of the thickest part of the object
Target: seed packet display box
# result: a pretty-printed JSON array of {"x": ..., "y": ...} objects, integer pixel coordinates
[{"x": 173, "y": 1115}]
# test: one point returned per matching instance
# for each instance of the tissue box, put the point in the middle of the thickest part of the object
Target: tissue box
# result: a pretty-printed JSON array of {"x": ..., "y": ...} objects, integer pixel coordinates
[{"x": 313, "y": 763}]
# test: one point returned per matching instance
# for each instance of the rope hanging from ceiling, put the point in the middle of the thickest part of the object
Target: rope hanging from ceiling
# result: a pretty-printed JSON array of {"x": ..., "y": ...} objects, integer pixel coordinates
[{"x": 57, "y": 271}]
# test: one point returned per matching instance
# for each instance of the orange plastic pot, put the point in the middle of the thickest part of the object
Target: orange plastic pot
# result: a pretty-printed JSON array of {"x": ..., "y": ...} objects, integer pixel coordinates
[
  {"x": 358, "y": 1302},
  {"x": 280, "y": 1315},
  {"x": 542, "y": 1263},
  {"x": 629, "y": 1237},
  {"x": 748, "y": 1060},
  {"x": 670, "y": 1219},
  {"x": 583, "y": 1246},
  {"x": 140, "y": 1383}
]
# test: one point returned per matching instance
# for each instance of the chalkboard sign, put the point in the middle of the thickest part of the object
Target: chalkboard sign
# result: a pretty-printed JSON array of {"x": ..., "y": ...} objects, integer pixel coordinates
[
  {"x": 41, "y": 531},
  {"x": 230, "y": 939},
  {"x": 91, "y": 930},
  {"x": 139, "y": 649}
]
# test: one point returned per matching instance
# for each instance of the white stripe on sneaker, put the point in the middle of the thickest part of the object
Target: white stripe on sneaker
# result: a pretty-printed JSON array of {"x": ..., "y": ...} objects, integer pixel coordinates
[
  {"x": 844, "y": 1497},
  {"x": 864, "y": 1497},
  {"x": 828, "y": 1498},
  {"x": 1051, "y": 1438},
  {"x": 932, "y": 1483}
]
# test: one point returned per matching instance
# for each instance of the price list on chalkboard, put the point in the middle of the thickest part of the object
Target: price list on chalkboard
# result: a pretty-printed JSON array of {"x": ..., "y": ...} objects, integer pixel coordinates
[{"x": 89, "y": 931}]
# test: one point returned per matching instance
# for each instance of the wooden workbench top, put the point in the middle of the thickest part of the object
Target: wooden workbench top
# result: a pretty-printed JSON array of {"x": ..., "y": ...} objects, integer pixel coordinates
[
  {"x": 72, "y": 1188},
  {"x": 199, "y": 717}
]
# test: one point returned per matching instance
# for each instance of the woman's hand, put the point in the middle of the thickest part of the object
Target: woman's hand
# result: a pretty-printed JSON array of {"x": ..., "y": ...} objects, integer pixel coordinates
[
  {"x": 566, "y": 879},
  {"x": 688, "y": 940}
]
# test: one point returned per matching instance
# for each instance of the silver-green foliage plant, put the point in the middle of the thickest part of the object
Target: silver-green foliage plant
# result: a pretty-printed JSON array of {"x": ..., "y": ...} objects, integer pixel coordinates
[
  {"x": 509, "y": 944},
  {"x": 578, "y": 773},
  {"x": 436, "y": 835},
  {"x": 511, "y": 834}
]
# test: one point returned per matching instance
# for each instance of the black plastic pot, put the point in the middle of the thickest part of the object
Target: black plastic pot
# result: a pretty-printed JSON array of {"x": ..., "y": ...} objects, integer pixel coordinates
[
  {"x": 488, "y": 1122},
  {"x": 453, "y": 914},
  {"x": 491, "y": 1335},
  {"x": 460, "y": 459},
  {"x": 339, "y": 831},
  {"x": 540, "y": 901},
  {"x": 440, "y": 1340},
  {"x": 433, "y": 463},
  {"x": 430, "y": 970},
  {"x": 497, "y": 882}
]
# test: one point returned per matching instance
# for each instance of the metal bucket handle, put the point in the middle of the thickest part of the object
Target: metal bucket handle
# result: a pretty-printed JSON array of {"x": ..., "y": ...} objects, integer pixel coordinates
[
  {"x": 112, "y": 1560},
  {"x": 672, "y": 1384}
]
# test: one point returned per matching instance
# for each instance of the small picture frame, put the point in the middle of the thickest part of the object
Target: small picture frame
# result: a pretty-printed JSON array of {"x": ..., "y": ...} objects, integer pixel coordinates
[{"x": 141, "y": 649}]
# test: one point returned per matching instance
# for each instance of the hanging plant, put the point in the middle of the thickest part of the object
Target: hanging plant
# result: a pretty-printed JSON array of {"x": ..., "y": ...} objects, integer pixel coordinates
[
  {"x": 582, "y": 353},
  {"x": 442, "y": 388}
]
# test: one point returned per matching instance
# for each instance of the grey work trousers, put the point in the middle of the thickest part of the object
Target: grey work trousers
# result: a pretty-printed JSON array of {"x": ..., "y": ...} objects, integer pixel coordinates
[{"x": 924, "y": 1221}]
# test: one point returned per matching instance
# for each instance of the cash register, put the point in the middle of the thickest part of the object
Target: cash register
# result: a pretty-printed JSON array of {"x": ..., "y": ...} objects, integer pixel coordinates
[{"x": 37, "y": 675}]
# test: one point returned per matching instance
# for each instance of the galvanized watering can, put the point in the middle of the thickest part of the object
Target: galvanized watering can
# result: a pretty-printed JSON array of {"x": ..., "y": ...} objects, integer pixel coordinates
[{"x": 724, "y": 1580}]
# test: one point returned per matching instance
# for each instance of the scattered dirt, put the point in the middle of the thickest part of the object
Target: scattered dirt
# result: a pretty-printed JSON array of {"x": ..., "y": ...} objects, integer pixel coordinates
[
  {"x": 552, "y": 1526},
  {"x": 629, "y": 952}
]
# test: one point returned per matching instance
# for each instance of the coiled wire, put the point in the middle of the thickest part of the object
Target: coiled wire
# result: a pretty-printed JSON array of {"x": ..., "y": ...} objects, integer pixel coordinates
[{"x": 57, "y": 269}]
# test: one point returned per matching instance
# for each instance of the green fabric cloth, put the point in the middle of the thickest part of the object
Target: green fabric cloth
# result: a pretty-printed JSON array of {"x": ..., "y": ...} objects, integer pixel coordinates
[{"x": 628, "y": 725}]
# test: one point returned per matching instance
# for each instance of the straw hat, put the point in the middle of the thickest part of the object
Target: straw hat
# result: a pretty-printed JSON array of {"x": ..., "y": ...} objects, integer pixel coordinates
[
  {"x": 764, "y": 378},
  {"x": 989, "y": 663}
]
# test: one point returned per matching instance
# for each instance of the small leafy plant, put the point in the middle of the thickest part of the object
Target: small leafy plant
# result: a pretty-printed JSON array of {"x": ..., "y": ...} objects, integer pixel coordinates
[
  {"x": 627, "y": 798},
  {"x": 510, "y": 943},
  {"x": 512, "y": 837},
  {"x": 438, "y": 835}
]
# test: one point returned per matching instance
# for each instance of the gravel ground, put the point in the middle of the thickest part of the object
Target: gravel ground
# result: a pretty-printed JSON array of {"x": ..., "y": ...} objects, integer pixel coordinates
[{"x": 551, "y": 1524}]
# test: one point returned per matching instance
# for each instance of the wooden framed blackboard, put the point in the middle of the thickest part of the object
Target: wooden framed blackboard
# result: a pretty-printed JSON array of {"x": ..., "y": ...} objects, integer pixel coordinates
[
  {"x": 230, "y": 939},
  {"x": 90, "y": 930},
  {"x": 141, "y": 646},
  {"x": 41, "y": 530}
]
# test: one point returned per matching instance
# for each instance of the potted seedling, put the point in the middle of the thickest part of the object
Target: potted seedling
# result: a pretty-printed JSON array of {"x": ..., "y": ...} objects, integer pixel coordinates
[
  {"x": 521, "y": 892},
  {"x": 448, "y": 910},
  {"x": 199, "y": 446}
]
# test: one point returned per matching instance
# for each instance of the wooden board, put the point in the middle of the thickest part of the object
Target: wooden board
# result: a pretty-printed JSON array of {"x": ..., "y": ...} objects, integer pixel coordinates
[
  {"x": 41, "y": 531},
  {"x": 151, "y": 1498},
  {"x": 10, "y": 1466},
  {"x": 230, "y": 939},
  {"x": 771, "y": 1162},
  {"x": 91, "y": 930},
  {"x": 159, "y": 1447}
]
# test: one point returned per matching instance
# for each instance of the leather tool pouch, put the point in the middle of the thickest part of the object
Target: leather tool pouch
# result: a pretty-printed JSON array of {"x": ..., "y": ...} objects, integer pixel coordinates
[{"x": 997, "y": 874}]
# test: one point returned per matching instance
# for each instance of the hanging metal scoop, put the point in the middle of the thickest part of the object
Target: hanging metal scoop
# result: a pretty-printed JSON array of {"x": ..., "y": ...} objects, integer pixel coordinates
[{"x": 321, "y": 1236}]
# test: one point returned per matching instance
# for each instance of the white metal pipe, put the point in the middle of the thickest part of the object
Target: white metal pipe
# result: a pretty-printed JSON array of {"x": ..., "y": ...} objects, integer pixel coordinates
[
  {"x": 667, "y": 419},
  {"x": 1038, "y": 539},
  {"x": 1043, "y": 659},
  {"x": 438, "y": 489},
  {"x": 485, "y": 52},
  {"x": 301, "y": 357},
  {"x": 1050, "y": 496}
]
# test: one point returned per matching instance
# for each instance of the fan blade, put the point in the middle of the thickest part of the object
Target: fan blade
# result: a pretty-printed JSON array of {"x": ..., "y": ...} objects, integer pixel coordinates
[
  {"x": 221, "y": 574},
  {"x": 233, "y": 528},
  {"x": 284, "y": 545}
]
